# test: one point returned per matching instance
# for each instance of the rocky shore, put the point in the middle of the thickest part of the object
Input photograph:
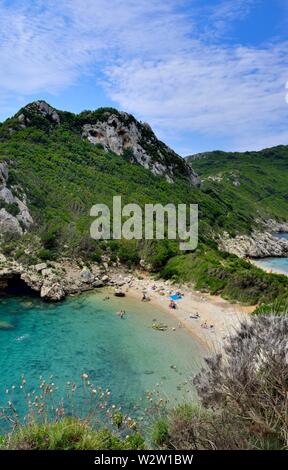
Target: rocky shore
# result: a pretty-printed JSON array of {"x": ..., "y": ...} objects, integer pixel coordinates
[
  {"x": 55, "y": 280},
  {"x": 260, "y": 244}
]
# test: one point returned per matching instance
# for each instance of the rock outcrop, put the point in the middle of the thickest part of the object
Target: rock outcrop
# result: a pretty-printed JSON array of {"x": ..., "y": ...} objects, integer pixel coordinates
[
  {"x": 37, "y": 107},
  {"x": 53, "y": 281},
  {"x": 257, "y": 245},
  {"x": 117, "y": 132},
  {"x": 122, "y": 134},
  {"x": 14, "y": 213}
]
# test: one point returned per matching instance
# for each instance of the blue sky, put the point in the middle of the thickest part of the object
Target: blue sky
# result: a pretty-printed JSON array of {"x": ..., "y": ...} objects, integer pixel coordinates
[{"x": 206, "y": 74}]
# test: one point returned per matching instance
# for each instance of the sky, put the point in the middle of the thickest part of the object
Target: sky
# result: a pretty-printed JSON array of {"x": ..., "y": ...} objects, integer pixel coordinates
[{"x": 205, "y": 74}]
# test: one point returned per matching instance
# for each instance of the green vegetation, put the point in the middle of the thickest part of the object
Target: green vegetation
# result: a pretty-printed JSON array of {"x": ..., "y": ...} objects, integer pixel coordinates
[
  {"x": 220, "y": 273},
  {"x": 252, "y": 182},
  {"x": 68, "y": 434},
  {"x": 243, "y": 395},
  {"x": 64, "y": 175}
]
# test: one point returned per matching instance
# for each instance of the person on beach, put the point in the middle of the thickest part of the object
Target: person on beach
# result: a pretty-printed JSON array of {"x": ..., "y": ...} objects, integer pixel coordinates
[
  {"x": 204, "y": 325},
  {"x": 172, "y": 304},
  {"x": 145, "y": 298},
  {"x": 195, "y": 316}
]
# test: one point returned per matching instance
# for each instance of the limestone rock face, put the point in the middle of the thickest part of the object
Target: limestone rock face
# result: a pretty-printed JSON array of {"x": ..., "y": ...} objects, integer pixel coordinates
[
  {"x": 52, "y": 291},
  {"x": 86, "y": 275},
  {"x": 257, "y": 245},
  {"x": 120, "y": 132},
  {"x": 40, "y": 107},
  {"x": 9, "y": 222}
]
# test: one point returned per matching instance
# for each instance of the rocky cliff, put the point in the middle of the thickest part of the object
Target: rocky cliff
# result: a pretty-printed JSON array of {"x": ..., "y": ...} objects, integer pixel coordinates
[
  {"x": 260, "y": 244},
  {"x": 122, "y": 134},
  {"x": 14, "y": 213},
  {"x": 115, "y": 131}
]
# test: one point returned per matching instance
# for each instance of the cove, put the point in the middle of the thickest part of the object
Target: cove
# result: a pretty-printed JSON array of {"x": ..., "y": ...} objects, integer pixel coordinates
[
  {"x": 276, "y": 265},
  {"x": 83, "y": 334}
]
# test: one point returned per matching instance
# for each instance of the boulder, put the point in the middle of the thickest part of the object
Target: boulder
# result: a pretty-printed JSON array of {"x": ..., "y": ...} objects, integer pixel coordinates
[
  {"x": 256, "y": 245},
  {"x": 86, "y": 275},
  {"x": 9, "y": 223},
  {"x": 40, "y": 267},
  {"x": 52, "y": 291}
]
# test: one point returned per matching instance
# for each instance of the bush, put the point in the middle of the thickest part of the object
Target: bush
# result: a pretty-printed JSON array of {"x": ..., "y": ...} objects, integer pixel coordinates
[
  {"x": 249, "y": 383},
  {"x": 46, "y": 254},
  {"x": 160, "y": 433},
  {"x": 49, "y": 237},
  {"x": 68, "y": 434},
  {"x": 243, "y": 394}
]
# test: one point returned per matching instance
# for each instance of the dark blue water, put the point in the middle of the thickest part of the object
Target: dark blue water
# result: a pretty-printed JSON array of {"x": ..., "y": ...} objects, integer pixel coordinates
[{"x": 84, "y": 335}]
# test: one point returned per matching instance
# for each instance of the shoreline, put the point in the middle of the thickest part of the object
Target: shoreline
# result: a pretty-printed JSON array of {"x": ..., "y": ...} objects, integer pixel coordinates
[
  {"x": 54, "y": 281},
  {"x": 266, "y": 269},
  {"x": 223, "y": 315}
]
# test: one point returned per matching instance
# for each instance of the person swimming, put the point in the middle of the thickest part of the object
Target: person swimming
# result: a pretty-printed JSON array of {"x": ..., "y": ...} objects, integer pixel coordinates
[{"x": 121, "y": 313}]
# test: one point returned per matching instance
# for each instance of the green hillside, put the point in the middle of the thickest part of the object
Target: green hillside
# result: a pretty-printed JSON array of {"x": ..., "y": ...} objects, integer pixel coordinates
[
  {"x": 253, "y": 182},
  {"x": 63, "y": 175}
]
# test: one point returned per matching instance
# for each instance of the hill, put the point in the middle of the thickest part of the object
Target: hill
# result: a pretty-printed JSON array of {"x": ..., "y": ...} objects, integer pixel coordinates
[
  {"x": 55, "y": 165},
  {"x": 254, "y": 182}
]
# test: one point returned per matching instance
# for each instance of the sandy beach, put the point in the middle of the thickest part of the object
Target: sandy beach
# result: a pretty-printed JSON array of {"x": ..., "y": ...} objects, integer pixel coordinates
[{"x": 212, "y": 310}]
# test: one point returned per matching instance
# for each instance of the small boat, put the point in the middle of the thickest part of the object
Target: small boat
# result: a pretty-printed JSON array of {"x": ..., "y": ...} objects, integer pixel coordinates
[
  {"x": 119, "y": 294},
  {"x": 159, "y": 327}
]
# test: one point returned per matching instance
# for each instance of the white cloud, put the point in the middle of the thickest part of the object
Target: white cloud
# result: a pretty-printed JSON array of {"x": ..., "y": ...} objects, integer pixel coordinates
[
  {"x": 211, "y": 90},
  {"x": 224, "y": 13},
  {"x": 158, "y": 61}
]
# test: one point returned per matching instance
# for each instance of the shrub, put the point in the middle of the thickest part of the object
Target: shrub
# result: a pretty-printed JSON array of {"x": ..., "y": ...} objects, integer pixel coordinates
[
  {"x": 249, "y": 382},
  {"x": 68, "y": 434},
  {"x": 46, "y": 254},
  {"x": 243, "y": 394},
  {"x": 160, "y": 432}
]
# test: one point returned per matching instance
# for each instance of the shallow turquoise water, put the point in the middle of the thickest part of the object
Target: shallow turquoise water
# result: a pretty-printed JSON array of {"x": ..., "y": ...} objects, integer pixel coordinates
[
  {"x": 83, "y": 334},
  {"x": 278, "y": 265}
]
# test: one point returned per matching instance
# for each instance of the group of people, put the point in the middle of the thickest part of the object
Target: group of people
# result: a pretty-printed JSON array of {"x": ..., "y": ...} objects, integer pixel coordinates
[
  {"x": 196, "y": 316},
  {"x": 206, "y": 326}
]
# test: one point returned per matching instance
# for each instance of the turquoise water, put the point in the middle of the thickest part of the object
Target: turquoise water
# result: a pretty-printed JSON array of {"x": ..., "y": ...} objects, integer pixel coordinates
[
  {"x": 277, "y": 265},
  {"x": 84, "y": 335}
]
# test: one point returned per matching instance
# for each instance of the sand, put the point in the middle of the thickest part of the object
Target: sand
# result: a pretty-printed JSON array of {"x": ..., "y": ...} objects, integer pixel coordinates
[{"x": 224, "y": 316}]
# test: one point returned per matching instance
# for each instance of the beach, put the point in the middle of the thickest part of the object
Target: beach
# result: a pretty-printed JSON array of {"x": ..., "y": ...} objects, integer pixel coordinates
[{"x": 212, "y": 310}]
